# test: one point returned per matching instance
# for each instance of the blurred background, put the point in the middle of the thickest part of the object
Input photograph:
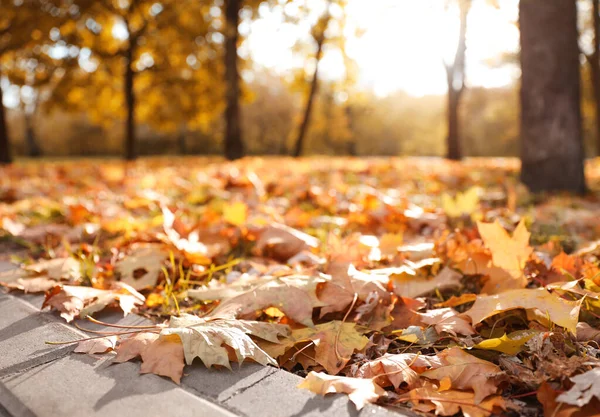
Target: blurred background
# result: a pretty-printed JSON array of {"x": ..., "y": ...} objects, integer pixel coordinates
[{"x": 343, "y": 77}]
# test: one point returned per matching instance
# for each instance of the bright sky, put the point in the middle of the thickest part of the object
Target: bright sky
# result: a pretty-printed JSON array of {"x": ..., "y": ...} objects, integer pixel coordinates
[{"x": 403, "y": 45}]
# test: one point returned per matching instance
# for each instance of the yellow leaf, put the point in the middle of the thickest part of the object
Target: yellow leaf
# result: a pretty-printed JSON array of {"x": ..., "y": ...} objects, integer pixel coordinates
[
  {"x": 235, "y": 213},
  {"x": 508, "y": 253},
  {"x": 510, "y": 344},
  {"x": 563, "y": 312},
  {"x": 463, "y": 204}
]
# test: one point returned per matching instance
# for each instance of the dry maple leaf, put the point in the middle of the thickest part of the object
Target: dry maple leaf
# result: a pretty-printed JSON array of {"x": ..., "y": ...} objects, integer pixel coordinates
[
  {"x": 282, "y": 242},
  {"x": 161, "y": 354},
  {"x": 74, "y": 301},
  {"x": 41, "y": 276},
  {"x": 206, "y": 338},
  {"x": 360, "y": 391},
  {"x": 407, "y": 285},
  {"x": 586, "y": 388},
  {"x": 466, "y": 372},
  {"x": 346, "y": 283},
  {"x": 508, "y": 253},
  {"x": 450, "y": 402},
  {"x": 96, "y": 345},
  {"x": 334, "y": 341},
  {"x": 294, "y": 295},
  {"x": 563, "y": 312},
  {"x": 447, "y": 320},
  {"x": 292, "y": 301},
  {"x": 140, "y": 268},
  {"x": 397, "y": 369}
]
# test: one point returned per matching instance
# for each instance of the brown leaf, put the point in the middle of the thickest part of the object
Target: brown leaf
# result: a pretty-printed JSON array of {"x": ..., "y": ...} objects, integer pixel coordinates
[
  {"x": 546, "y": 395},
  {"x": 360, "y": 391},
  {"x": 447, "y": 320},
  {"x": 346, "y": 282},
  {"x": 282, "y": 242},
  {"x": 99, "y": 345},
  {"x": 141, "y": 267},
  {"x": 161, "y": 355},
  {"x": 450, "y": 402},
  {"x": 466, "y": 372},
  {"x": 412, "y": 286},
  {"x": 74, "y": 301},
  {"x": 397, "y": 369}
]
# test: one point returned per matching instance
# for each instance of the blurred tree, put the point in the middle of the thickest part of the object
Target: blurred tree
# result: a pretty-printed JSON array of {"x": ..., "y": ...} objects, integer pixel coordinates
[
  {"x": 318, "y": 34},
  {"x": 455, "y": 77},
  {"x": 234, "y": 145},
  {"x": 551, "y": 139},
  {"x": 22, "y": 25},
  {"x": 593, "y": 60}
]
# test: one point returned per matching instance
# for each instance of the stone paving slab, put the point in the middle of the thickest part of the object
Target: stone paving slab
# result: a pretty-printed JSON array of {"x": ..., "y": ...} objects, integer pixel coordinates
[{"x": 38, "y": 380}]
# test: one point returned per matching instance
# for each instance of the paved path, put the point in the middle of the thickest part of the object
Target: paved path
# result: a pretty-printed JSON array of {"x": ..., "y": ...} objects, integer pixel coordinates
[{"x": 39, "y": 380}]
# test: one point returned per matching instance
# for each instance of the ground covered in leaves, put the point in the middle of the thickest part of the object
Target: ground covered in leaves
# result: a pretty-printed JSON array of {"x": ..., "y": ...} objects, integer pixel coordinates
[{"x": 445, "y": 288}]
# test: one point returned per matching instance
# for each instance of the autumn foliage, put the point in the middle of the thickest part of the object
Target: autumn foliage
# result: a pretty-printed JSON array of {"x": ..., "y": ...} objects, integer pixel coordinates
[{"x": 441, "y": 287}]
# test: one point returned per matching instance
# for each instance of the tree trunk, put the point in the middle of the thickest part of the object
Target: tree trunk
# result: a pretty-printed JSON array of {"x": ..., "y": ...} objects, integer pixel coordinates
[
  {"x": 32, "y": 143},
  {"x": 129, "y": 93},
  {"x": 594, "y": 62},
  {"x": 182, "y": 141},
  {"x": 234, "y": 145},
  {"x": 455, "y": 76},
  {"x": 5, "y": 157},
  {"x": 314, "y": 86},
  {"x": 551, "y": 139}
]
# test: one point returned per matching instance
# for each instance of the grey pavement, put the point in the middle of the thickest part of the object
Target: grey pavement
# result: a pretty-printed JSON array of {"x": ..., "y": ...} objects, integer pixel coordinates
[{"x": 40, "y": 380}]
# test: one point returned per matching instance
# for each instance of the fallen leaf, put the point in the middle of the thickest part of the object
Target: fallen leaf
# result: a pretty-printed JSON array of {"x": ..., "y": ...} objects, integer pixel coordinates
[
  {"x": 346, "y": 283},
  {"x": 282, "y": 242},
  {"x": 360, "y": 391},
  {"x": 447, "y": 320},
  {"x": 450, "y": 402},
  {"x": 74, "y": 301},
  {"x": 546, "y": 395},
  {"x": 140, "y": 268},
  {"x": 235, "y": 213},
  {"x": 510, "y": 344},
  {"x": 455, "y": 301},
  {"x": 395, "y": 369},
  {"x": 99, "y": 345},
  {"x": 206, "y": 338},
  {"x": 587, "y": 387},
  {"x": 335, "y": 342},
  {"x": 508, "y": 253},
  {"x": 466, "y": 372},
  {"x": 463, "y": 204},
  {"x": 563, "y": 312},
  {"x": 585, "y": 333},
  {"x": 161, "y": 354},
  {"x": 406, "y": 285}
]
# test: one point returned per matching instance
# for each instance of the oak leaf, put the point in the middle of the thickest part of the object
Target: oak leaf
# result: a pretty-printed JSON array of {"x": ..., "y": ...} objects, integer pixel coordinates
[
  {"x": 360, "y": 391},
  {"x": 563, "y": 312}
]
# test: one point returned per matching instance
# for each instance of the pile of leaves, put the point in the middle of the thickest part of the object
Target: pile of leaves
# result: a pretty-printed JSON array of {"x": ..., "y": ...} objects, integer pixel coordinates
[{"x": 441, "y": 287}]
